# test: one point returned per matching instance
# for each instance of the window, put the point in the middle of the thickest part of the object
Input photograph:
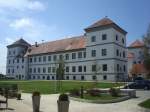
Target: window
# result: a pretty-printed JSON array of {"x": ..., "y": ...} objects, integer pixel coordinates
[
  {"x": 8, "y": 70},
  {"x": 93, "y": 39},
  {"x": 34, "y": 70},
  {"x": 33, "y": 77},
  {"x": 13, "y": 71},
  {"x": 124, "y": 54},
  {"x": 104, "y": 67},
  {"x": 43, "y": 77},
  {"x": 9, "y": 53},
  {"x": 44, "y": 70},
  {"x": 9, "y": 61},
  {"x": 117, "y": 52},
  {"x": 93, "y": 68},
  {"x": 104, "y": 37},
  {"x": 73, "y": 55},
  {"x": 22, "y": 60},
  {"x": 53, "y": 78},
  {"x": 30, "y": 60},
  {"x": 53, "y": 70},
  {"x": 13, "y": 61},
  {"x": 67, "y": 56},
  {"x": 84, "y": 68},
  {"x": 116, "y": 37},
  {"x": 122, "y": 40},
  {"x": 82, "y": 77},
  {"x": 84, "y": 54},
  {"x": 39, "y": 70},
  {"x": 93, "y": 53},
  {"x": 30, "y": 70},
  {"x": 80, "y": 69},
  {"x": 44, "y": 58},
  {"x": 49, "y": 58},
  {"x": 22, "y": 66},
  {"x": 105, "y": 77},
  {"x": 67, "y": 77},
  {"x": 67, "y": 68},
  {"x": 117, "y": 67},
  {"x": 104, "y": 52},
  {"x": 74, "y": 77},
  {"x": 73, "y": 69},
  {"x": 60, "y": 57},
  {"x": 124, "y": 68},
  {"x": 79, "y": 54},
  {"x": 14, "y": 52},
  {"x": 94, "y": 77},
  {"x": 39, "y": 59},
  {"x": 34, "y": 59},
  {"x": 17, "y": 67},
  {"x": 134, "y": 62},
  {"x": 54, "y": 57},
  {"x": 18, "y": 60},
  {"x": 49, "y": 69}
]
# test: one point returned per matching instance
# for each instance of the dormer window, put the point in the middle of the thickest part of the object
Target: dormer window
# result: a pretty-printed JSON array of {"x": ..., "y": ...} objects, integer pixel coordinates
[
  {"x": 93, "y": 39},
  {"x": 104, "y": 37},
  {"x": 122, "y": 40},
  {"x": 117, "y": 37}
]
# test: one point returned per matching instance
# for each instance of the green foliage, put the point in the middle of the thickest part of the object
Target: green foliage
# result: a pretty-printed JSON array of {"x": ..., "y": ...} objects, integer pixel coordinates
[
  {"x": 94, "y": 92},
  {"x": 36, "y": 93},
  {"x": 145, "y": 104},
  {"x": 74, "y": 92},
  {"x": 63, "y": 97},
  {"x": 114, "y": 92}
]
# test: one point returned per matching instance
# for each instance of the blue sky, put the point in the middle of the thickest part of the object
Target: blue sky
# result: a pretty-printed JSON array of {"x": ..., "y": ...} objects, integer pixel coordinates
[{"x": 37, "y": 20}]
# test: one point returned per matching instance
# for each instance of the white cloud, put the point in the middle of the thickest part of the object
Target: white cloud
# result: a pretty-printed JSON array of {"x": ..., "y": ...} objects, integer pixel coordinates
[
  {"x": 21, "y": 5},
  {"x": 21, "y": 23}
]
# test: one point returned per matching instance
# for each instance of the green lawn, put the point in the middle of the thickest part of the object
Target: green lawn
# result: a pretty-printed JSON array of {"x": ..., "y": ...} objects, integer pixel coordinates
[
  {"x": 49, "y": 87},
  {"x": 145, "y": 104}
]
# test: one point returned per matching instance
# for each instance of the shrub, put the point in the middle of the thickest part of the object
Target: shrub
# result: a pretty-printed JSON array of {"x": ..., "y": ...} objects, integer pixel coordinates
[
  {"x": 63, "y": 97},
  {"x": 114, "y": 92},
  {"x": 74, "y": 92},
  {"x": 94, "y": 92},
  {"x": 36, "y": 93}
]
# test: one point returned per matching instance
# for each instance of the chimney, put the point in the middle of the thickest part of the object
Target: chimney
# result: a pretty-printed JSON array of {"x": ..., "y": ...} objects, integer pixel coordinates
[{"x": 36, "y": 45}]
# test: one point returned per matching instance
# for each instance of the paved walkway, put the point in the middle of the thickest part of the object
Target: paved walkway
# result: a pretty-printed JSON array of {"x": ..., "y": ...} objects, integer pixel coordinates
[{"x": 49, "y": 104}]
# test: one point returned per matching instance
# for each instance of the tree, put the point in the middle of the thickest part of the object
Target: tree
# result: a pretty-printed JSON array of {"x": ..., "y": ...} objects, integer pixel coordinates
[
  {"x": 146, "y": 40},
  {"x": 60, "y": 73},
  {"x": 96, "y": 70}
]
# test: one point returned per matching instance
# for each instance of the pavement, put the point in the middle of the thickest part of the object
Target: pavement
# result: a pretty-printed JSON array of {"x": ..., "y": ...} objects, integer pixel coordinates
[{"x": 49, "y": 104}]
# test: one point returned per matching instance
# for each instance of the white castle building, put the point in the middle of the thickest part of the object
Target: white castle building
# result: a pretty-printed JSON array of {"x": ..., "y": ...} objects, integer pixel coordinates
[{"x": 99, "y": 54}]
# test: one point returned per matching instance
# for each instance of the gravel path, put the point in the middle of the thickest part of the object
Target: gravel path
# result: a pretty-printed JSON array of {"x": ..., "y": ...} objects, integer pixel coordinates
[{"x": 49, "y": 104}]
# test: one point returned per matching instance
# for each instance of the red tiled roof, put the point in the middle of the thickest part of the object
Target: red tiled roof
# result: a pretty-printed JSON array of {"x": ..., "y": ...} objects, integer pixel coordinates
[
  {"x": 73, "y": 43},
  {"x": 137, "y": 43},
  {"x": 105, "y": 22},
  {"x": 130, "y": 55},
  {"x": 138, "y": 68},
  {"x": 102, "y": 22}
]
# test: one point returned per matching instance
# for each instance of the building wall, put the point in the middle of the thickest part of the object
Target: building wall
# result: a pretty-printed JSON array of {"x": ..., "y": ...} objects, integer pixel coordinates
[{"x": 109, "y": 67}]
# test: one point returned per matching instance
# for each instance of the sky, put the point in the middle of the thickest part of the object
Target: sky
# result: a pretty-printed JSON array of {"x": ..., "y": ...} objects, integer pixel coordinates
[{"x": 47, "y": 20}]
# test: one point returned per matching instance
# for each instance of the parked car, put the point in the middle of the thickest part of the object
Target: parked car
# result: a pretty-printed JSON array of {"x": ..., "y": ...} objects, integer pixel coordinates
[{"x": 139, "y": 84}]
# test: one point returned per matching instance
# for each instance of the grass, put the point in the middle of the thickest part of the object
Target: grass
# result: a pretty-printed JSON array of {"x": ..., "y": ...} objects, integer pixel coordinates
[
  {"x": 49, "y": 87},
  {"x": 145, "y": 104},
  {"x": 101, "y": 97}
]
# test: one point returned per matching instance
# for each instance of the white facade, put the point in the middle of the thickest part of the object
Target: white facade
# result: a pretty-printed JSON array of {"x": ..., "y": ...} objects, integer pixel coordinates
[{"x": 107, "y": 51}]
